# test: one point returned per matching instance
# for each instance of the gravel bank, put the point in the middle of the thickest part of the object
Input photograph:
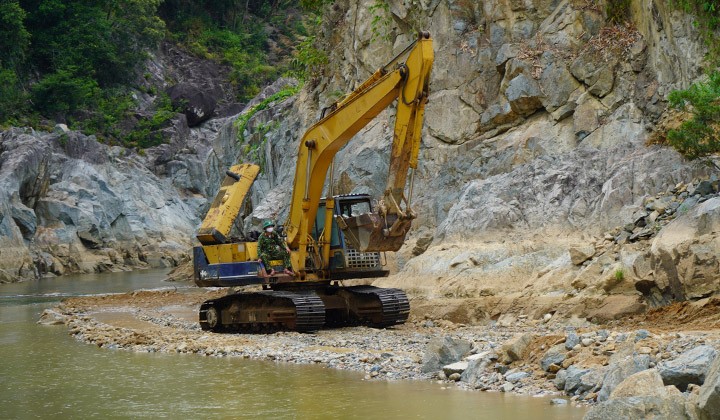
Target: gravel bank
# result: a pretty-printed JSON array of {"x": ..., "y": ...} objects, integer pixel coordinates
[{"x": 519, "y": 355}]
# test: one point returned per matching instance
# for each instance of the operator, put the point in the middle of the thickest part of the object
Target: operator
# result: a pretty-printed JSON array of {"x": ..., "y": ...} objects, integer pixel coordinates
[{"x": 272, "y": 247}]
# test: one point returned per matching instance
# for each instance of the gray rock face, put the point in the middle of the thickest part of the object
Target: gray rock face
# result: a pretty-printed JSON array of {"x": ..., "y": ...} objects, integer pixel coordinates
[
  {"x": 689, "y": 368},
  {"x": 444, "y": 351},
  {"x": 90, "y": 206}
]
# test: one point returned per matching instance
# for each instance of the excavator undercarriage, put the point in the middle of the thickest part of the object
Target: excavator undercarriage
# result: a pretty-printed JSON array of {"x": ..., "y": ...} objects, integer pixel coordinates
[{"x": 305, "y": 309}]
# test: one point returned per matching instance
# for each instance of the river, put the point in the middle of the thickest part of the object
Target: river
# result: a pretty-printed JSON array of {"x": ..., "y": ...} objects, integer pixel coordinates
[{"x": 45, "y": 373}]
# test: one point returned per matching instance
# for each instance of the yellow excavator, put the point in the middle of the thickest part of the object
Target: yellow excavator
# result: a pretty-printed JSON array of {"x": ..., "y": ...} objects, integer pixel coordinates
[{"x": 330, "y": 239}]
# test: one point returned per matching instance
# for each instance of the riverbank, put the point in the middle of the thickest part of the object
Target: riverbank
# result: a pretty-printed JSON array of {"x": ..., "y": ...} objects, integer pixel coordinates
[{"x": 542, "y": 356}]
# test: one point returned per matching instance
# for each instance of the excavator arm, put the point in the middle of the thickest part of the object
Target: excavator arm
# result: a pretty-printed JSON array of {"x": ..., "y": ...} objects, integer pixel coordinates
[{"x": 384, "y": 229}]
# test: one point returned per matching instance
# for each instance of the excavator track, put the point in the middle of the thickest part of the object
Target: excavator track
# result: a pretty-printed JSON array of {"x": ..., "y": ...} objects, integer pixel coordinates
[
  {"x": 306, "y": 310},
  {"x": 263, "y": 311},
  {"x": 377, "y": 307}
]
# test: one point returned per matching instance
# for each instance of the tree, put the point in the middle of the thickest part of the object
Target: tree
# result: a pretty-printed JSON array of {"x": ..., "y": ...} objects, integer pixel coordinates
[
  {"x": 699, "y": 137},
  {"x": 14, "y": 38}
]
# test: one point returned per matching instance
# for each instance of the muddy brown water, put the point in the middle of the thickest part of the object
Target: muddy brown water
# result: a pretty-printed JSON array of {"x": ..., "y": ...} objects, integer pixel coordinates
[{"x": 45, "y": 373}]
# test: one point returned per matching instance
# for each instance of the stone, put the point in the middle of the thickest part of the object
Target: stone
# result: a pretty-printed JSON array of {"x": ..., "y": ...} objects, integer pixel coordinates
[
  {"x": 558, "y": 401},
  {"x": 573, "y": 380},
  {"x": 507, "y": 387},
  {"x": 475, "y": 370},
  {"x": 684, "y": 255},
  {"x": 649, "y": 407},
  {"x": 709, "y": 397},
  {"x": 524, "y": 94},
  {"x": 560, "y": 379},
  {"x": 554, "y": 356},
  {"x": 618, "y": 371},
  {"x": 197, "y": 104},
  {"x": 51, "y": 317},
  {"x": 645, "y": 383},
  {"x": 690, "y": 367},
  {"x": 587, "y": 342},
  {"x": 443, "y": 351},
  {"x": 515, "y": 347},
  {"x": 571, "y": 340},
  {"x": 454, "y": 377},
  {"x": 516, "y": 376},
  {"x": 457, "y": 367},
  {"x": 580, "y": 254},
  {"x": 704, "y": 188}
]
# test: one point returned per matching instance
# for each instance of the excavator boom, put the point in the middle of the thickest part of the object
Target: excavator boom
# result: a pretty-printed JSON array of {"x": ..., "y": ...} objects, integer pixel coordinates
[{"x": 385, "y": 229}]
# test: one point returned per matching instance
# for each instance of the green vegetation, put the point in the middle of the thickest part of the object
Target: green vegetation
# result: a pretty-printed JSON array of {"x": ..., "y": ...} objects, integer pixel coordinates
[
  {"x": 79, "y": 61},
  {"x": 381, "y": 23},
  {"x": 707, "y": 20},
  {"x": 242, "y": 121},
  {"x": 619, "y": 275},
  {"x": 618, "y": 11},
  {"x": 698, "y": 137}
]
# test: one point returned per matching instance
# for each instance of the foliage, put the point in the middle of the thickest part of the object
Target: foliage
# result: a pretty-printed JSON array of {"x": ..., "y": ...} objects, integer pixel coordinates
[
  {"x": 64, "y": 92},
  {"x": 12, "y": 97},
  {"x": 14, "y": 38},
  {"x": 698, "y": 137},
  {"x": 242, "y": 121},
  {"x": 255, "y": 152},
  {"x": 77, "y": 61},
  {"x": 381, "y": 23},
  {"x": 618, "y": 11},
  {"x": 146, "y": 133},
  {"x": 314, "y": 6},
  {"x": 619, "y": 274},
  {"x": 707, "y": 13},
  {"x": 102, "y": 40},
  {"x": 309, "y": 59}
]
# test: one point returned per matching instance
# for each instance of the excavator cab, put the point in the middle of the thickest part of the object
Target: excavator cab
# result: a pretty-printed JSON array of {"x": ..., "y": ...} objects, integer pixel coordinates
[{"x": 347, "y": 257}]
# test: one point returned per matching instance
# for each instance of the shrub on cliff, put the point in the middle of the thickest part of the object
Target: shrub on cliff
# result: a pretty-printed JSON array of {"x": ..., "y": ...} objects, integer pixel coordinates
[{"x": 698, "y": 137}]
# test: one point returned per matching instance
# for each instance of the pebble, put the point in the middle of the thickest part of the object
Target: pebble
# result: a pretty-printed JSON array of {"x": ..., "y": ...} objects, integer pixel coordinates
[{"x": 558, "y": 401}]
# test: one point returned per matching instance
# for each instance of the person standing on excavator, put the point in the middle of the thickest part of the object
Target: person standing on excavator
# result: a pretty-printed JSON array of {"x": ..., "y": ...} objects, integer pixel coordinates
[{"x": 272, "y": 247}]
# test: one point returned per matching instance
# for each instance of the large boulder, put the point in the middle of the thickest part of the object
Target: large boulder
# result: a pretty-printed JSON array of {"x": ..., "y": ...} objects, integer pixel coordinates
[
  {"x": 443, "y": 351},
  {"x": 646, "y": 383},
  {"x": 618, "y": 371},
  {"x": 684, "y": 253},
  {"x": 688, "y": 368},
  {"x": 709, "y": 399},
  {"x": 673, "y": 407},
  {"x": 554, "y": 356},
  {"x": 197, "y": 104},
  {"x": 514, "y": 348}
]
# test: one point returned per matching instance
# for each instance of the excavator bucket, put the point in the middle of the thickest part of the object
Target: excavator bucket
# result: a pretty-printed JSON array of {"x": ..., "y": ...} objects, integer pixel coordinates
[{"x": 370, "y": 232}]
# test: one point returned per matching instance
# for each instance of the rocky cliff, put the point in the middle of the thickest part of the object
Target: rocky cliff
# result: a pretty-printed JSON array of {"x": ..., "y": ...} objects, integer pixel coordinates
[
  {"x": 535, "y": 147},
  {"x": 537, "y": 191}
]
